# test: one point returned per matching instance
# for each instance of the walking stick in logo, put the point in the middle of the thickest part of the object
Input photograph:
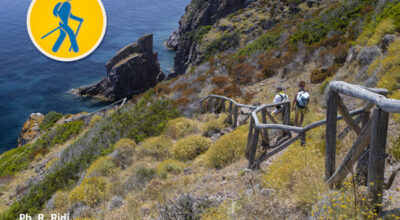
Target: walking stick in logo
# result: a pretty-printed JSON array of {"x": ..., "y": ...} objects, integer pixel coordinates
[{"x": 63, "y": 11}]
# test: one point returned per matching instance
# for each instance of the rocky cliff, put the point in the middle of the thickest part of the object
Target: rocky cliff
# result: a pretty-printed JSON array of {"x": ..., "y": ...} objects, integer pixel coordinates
[
  {"x": 199, "y": 13},
  {"x": 31, "y": 129},
  {"x": 132, "y": 70}
]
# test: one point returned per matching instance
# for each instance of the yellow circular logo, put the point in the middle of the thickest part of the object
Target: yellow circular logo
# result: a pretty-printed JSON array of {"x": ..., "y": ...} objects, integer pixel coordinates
[{"x": 66, "y": 30}]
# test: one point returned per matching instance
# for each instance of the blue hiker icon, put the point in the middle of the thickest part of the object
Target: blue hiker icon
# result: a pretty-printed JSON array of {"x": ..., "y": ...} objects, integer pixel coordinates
[{"x": 63, "y": 11}]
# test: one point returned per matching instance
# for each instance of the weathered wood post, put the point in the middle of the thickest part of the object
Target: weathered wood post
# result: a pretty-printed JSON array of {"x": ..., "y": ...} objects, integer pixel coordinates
[
  {"x": 211, "y": 102},
  {"x": 223, "y": 105},
  {"x": 230, "y": 120},
  {"x": 254, "y": 143},
  {"x": 330, "y": 141},
  {"x": 249, "y": 138},
  {"x": 235, "y": 116},
  {"x": 362, "y": 164},
  {"x": 303, "y": 139},
  {"x": 265, "y": 137},
  {"x": 377, "y": 155}
]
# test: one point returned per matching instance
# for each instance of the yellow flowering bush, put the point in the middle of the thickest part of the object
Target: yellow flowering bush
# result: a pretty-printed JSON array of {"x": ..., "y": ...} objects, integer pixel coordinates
[
  {"x": 214, "y": 125},
  {"x": 157, "y": 147},
  {"x": 94, "y": 120},
  {"x": 384, "y": 27},
  {"x": 123, "y": 152},
  {"x": 61, "y": 200},
  {"x": 190, "y": 147},
  {"x": 91, "y": 191},
  {"x": 181, "y": 127},
  {"x": 227, "y": 149},
  {"x": 101, "y": 167}
]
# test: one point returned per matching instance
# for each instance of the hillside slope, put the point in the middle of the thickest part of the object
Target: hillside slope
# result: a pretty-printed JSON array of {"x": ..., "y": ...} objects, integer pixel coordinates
[{"x": 160, "y": 157}]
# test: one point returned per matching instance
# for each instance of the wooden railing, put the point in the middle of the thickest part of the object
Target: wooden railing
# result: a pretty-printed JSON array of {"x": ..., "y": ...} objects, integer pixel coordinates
[
  {"x": 371, "y": 131},
  {"x": 100, "y": 111}
]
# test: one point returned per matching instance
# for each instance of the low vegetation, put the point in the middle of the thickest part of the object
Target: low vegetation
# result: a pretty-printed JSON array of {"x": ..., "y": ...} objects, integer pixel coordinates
[
  {"x": 190, "y": 147},
  {"x": 49, "y": 120}
]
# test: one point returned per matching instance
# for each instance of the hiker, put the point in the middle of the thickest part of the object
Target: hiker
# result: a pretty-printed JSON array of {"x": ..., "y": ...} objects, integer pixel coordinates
[
  {"x": 63, "y": 11},
  {"x": 279, "y": 97},
  {"x": 300, "y": 103}
]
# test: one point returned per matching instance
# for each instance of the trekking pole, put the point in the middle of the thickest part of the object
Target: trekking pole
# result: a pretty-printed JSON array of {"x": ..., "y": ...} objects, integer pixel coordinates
[
  {"x": 76, "y": 34},
  {"x": 50, "y": 32}
]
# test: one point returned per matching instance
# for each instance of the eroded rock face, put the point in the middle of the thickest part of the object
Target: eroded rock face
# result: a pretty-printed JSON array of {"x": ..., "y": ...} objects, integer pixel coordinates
[
  {"x": 31, "y": 129},
  {"x": 132, "y": 70},
  {"x": 199, "y": 13}
]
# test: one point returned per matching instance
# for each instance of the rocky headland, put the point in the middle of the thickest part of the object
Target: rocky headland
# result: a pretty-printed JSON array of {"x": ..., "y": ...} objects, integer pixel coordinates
[{"x": 131, "y": 71}]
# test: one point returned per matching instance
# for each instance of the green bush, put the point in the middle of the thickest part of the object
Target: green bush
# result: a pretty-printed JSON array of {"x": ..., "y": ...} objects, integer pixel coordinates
[
  {"x": 223, "y": 43},
  {"x": 146, "y": 118},
  {"x": 169, "y": 166},
  {"x": 18, "y": 159},
  {"x": 49, "y": 120},
  {"x": 227, "y": 149},
  {"x": 336, "y": 19},
  {"x": 190, "y": 147},
  {"x": 261, "y": 44}
]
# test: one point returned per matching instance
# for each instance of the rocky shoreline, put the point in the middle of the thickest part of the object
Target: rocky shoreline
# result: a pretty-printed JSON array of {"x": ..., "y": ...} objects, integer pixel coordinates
[{"x": 133, "y": 70}]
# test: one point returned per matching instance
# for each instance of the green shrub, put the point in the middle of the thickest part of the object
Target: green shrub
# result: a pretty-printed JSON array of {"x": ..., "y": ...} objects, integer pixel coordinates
[
  {"x": 212, "y": 126},
  {"x": 49, "y": 120},
  {"x": 335, "y": 19},
  {"x": 227, "y": 149},
  {"x": 263, "y": 43},
  {"x": 181, "y": 127},
  {"x": 190, "y": 147},
  {"x": 157, "y": 147},
  {"x": 103, "y": 166},
  {"x": 18, "y": 159},
  {"x": 197, "y": 34},
  {"x": 145, "y": 118},
  {"x": 91, "y": 191},
  {"x": 169, "y": 166},
  {"x": 223, "y": 43}
]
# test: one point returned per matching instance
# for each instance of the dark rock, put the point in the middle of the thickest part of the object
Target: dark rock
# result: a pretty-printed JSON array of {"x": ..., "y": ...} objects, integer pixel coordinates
[
  {"x": 368, "y": 54},
  {"x": 115, "y": 202},
  {"x": 31, "y": 129},
  {"x": 132, "y": 70},
  {"x": 387, "y": 39},
  {"x": 78, "y": 209},
  {"x": 200, "y": 13},
  {"x": 268, "y": 24},
  {"x": 294, "y": 9},
  {"x": 310, "y": 3},
  {"x": 173, "y": 40}
]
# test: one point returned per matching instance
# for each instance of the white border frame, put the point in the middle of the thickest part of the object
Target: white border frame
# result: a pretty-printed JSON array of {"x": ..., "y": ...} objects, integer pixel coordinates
[{"x": 67, "y": 59}]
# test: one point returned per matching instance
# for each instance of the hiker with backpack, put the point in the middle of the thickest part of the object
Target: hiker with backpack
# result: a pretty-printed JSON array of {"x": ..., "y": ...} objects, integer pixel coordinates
[
  {"x": 300, "y": 103},
  {"x": 279, "y": 97}
]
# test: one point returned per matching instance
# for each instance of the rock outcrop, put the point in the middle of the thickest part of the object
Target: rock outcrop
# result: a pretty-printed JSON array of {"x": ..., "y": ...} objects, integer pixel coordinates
[
  {"x": 132, "y": 70},
  {"x": 198, "y": 13},
  {"x": 31, "y": 129}
]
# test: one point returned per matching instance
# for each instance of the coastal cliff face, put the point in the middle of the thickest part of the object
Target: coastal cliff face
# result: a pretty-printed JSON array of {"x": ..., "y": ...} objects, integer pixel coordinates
[
  {"x": 31, "y": 129},
  {"x": 131, "y": 71},
  {"x": 198, "y": 15}
]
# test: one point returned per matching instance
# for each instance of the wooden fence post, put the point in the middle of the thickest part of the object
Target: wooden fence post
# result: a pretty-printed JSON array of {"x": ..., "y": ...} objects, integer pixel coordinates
[
  {"x": 249, "y": 137},
  {"x": 330, "y": 143},
  {"x": 265, "y": 137},
  {"x": 377, "y": 155},
  {"x": 362, "y": 164},
  {"x": 254, "y": 143},
  {"x": 303, "y": 139},
  {"x": 286, "y": 117},
  {"x": 211, "y": 103},
  {"x": 230, "y": 120},
  {"x": 223, "y": 105},
  {"x": 235, "y": 116}
]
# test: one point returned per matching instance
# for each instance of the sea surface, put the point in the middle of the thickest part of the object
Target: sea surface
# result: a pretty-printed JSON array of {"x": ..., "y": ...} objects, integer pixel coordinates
[{"x": 31, "y": 82}]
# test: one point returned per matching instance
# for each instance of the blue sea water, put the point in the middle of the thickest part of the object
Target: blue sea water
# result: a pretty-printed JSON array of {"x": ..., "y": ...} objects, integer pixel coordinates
[{"x": 31, "y": 82}]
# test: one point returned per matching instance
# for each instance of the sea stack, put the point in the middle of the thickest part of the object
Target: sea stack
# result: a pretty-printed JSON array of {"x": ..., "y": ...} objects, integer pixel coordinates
[{"x": 132, "y": 70}]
